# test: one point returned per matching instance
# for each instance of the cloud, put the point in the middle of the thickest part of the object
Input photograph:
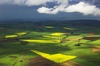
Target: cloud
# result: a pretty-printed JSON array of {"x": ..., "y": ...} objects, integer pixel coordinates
[
  {"x": 55, "y": 9},
  {"x": 36, "y": 2},
  {"x": 83, "y": 6},
  {"x": 25, "y": 2},
  {"x": 30, "y": 2}
]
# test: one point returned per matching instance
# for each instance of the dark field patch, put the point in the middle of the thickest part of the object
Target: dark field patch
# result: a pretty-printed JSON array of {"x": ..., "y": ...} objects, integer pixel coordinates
[
  {"x": 2, "y": 64},
  {"x": 70, "y": 63},
  {"x": 40, "y": 61},
  {"x": 91, "y": 38}
]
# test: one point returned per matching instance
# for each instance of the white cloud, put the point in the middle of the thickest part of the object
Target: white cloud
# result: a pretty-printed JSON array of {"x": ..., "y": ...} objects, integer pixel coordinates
[
  {"x": 55, "y": 9},
  {"x": 48, "y": 10},
  {"x": 84, "y": 8},
  {"x": 81, "y": 7}
]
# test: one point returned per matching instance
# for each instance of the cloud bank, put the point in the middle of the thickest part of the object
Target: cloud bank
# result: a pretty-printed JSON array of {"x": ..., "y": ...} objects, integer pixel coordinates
[
  {"x": 83, "y": 7},
  {"x": 25, "y": 2}
]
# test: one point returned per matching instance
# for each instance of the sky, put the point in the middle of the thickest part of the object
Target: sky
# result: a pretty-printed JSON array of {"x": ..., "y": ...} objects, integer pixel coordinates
[{"x": 38, "y": 10}]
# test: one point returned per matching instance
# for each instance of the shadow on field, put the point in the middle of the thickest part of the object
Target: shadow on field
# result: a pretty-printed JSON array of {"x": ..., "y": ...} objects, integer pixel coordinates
[
  {"x": 40, "y": 61},
  {"x": 49, "y": 48},
  {"x": 18, "y": 47},
  {"x": 1, "y": 64},
  {"x": 93, "y": 58}
]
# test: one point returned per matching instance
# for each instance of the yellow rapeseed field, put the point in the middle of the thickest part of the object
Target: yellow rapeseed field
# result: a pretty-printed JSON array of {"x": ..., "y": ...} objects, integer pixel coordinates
[
  {"x": 56, "y": 34},
  {"x": 58, "y": 58},
  {"x": 21, "y": 33},
  {"x": 41, "y": 41},
  {"x": 11, "y": 36}
]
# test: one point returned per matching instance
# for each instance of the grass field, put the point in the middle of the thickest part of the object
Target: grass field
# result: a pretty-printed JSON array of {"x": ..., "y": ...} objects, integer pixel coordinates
[{"x": 22, "y": 41}]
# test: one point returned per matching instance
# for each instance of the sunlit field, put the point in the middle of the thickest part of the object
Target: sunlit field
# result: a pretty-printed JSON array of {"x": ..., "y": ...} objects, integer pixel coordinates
[
  {"x": 59, "y": 42},
  {"x": 11, "y": 36},
  {"x": 58, "y": 58}
]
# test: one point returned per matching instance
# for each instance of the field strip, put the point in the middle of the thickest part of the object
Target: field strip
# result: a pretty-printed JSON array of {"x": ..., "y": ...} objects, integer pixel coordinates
[{"x": 96, "y": 49}]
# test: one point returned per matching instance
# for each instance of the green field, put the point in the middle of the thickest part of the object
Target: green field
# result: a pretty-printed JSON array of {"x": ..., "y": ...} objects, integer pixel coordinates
[{"x": 19, "y": 39}]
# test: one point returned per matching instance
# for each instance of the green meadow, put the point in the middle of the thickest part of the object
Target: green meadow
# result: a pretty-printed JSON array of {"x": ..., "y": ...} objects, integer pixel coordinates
[{"x": 22, "y": 41}]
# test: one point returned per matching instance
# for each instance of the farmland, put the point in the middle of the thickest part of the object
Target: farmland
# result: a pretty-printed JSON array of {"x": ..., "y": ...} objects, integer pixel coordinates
[{"x": 58, "y": 42}]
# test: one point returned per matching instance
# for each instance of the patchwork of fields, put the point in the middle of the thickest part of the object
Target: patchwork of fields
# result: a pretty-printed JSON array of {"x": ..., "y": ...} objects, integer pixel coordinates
[{"x": 55, "y": 43}]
